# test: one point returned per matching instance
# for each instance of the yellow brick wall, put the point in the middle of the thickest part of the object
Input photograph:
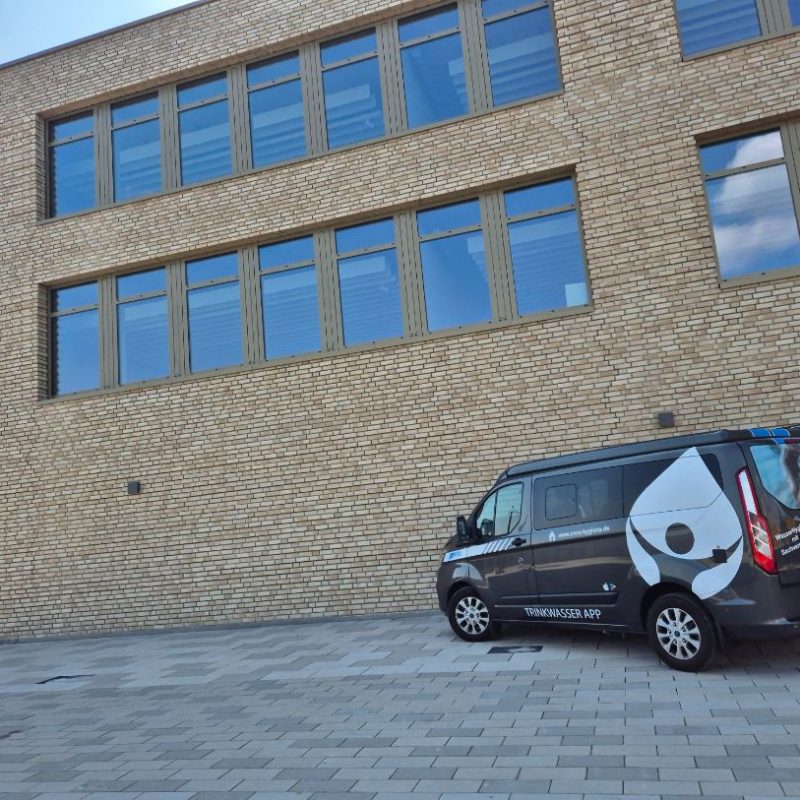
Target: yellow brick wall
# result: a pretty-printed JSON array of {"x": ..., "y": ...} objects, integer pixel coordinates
[{"x": 328, "y": 486}]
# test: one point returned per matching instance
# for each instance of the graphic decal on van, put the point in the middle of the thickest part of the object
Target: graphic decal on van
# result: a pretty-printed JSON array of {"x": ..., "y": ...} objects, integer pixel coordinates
[
  {"x": 684, "y": 514},
  {"x": 494, "y": 546}
]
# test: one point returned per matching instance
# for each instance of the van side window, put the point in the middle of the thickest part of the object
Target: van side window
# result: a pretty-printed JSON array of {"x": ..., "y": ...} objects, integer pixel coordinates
[
  {"x": 578, "y": 497},
  {"x": 501, "y": 511}
]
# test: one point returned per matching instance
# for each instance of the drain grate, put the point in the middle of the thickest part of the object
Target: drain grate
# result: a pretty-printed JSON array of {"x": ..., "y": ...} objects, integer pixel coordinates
[
  {"x": 63, "y": 678},
  {"x": 517, "y": 648}
]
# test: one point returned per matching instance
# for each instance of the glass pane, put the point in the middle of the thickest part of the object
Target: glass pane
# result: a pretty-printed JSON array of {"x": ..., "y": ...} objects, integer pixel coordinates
[
  {"x": 353, "y": 103},
  {"x": 360, "y": 237},
  {"x": 291, "y": 312},
  {"x": 741, "y": 152},
  {"x": 449, "y": 218},
  {"x": 508, "y": 509},
  {"x": 433, "y": 75},
  {"x": 273, "y": 70},
  {"x": 137, "y": 160},
  {"x": 777, "y": 466},
  {"x": 277, "y": 125},
  {"x": 72, "y": 127},
  {"x": 522, "y": 56},
  {"x": 707, "y": 24},
  {"x": 754, "y": 221},
  {"x": 76, "y": 353},
  {"x": 349, "y": 46},
  {"x": 441, "y": 19},
  {"x": 143, "y": 107},
  {"x": 72, "y": 176},
  {"x": 209, "y": 269},
  {"x": 205, "y": 89},
  {"x": 75, "y": 297},
  {"x": 547, "y": 259},
  {"x": 794, "y": 9},
  {"x": 370, "y": 293},
  {"x": 492, "y": 8},
  {"x": 533, "y": 199},
  {"x": 143, "y": 342},
  {"x": 205, "y": 142},
  {"x": 215, "y": 329},
  {"x": 153, "y": 280},
  {"x": 280, "y": 253},
  {"x": 456, "y": 286}
]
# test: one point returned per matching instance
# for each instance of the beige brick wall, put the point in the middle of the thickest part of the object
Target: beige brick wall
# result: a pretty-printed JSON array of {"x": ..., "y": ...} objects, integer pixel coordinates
[{"x": 328, "y": 486}]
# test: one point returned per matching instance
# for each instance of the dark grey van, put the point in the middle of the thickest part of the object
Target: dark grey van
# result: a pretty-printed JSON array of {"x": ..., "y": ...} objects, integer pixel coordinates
[{"x": 690, "y": 540}]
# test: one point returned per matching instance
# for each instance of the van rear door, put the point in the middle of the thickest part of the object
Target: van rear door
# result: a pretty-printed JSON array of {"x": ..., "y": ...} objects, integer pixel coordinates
[{"x": 775, "y": 468}]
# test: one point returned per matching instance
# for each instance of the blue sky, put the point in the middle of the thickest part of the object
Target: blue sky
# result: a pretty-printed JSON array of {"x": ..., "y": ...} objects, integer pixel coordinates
[{"x": 27, "y": 26}]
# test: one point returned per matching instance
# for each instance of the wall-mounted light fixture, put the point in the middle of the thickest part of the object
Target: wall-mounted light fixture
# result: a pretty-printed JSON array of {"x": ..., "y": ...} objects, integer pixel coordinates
[
  {"x": 134, "y": 487},
  {"x": 666, "y": 419}
]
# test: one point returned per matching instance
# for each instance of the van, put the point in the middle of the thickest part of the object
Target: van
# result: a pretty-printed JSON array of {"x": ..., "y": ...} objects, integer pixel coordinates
[{"x": 691, "y": 540}]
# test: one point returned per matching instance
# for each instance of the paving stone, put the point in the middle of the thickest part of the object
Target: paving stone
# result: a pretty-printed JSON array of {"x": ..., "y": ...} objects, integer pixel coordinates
[{"x": 584, "y": 724}]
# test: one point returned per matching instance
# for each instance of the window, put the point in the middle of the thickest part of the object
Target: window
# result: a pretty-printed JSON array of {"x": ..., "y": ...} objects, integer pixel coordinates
[
  {"x": 546, "y": 248},
  {"x": 72, "y": 165},
  {"x": 794, "y": 12},
  {"x": 215, "y": 324},
  {"x": 454, "y": 266},
  {"x": 522, "y": 50},
  {"x": 436, "y": 65},
  {"x": 369, "y": 283},
  {"x": 753, "y": 215},
  {"x": 75, "y": 339},
  {"x": 637, "y": 476},
  {"x": 136, "y": 148},
  {"x": 778, "y": 467},
  {"x": 289, "y": 298},
  {"x": 578, "y": 497},
  {"x": 388, "y": 279},
  {"x": 501, "y": 511},
  {"x": 352, "y": 86},
  {"x": 433, "y": 67},
  {"x": 277, "y": 122},
  {"x": 142, "y": 332},
  {"x": 205, "y": 138},
  {"x": 711, "y": 24}
]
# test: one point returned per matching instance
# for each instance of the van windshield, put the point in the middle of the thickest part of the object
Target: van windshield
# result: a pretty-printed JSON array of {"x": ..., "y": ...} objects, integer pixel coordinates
[{"x": 778, "y": 466}]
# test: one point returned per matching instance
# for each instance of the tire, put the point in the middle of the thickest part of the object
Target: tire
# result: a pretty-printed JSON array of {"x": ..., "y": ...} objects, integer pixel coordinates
[
  {"x": 469, "y": 616},
  {"x": 682, "y": 633}
]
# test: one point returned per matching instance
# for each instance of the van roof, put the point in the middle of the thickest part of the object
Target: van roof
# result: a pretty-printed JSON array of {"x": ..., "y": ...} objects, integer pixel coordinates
[{"x": 652, "y": 446}]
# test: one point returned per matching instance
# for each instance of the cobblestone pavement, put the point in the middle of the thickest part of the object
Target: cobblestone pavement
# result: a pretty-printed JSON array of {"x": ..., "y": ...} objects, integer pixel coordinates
[{"x": 391, "y": 709}]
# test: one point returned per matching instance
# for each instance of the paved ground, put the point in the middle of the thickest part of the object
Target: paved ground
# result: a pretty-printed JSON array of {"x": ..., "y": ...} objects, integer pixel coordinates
[{"x": 391, "y": 710}]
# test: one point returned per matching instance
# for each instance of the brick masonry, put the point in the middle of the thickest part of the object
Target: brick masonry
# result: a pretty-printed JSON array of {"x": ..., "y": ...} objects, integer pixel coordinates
[{"x": 328, "y": 486}]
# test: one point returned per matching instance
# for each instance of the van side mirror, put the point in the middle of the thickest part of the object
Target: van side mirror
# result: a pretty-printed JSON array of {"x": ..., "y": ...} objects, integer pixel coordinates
[{"x": 462, "y": 531}]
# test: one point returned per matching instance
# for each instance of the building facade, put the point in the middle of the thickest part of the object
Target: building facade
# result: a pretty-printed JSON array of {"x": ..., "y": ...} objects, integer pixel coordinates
[{"x": 285, "y": 285}]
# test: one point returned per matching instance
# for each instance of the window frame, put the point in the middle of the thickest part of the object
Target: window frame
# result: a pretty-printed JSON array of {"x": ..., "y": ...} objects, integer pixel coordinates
[
  {"x": 471, "y": 28},
  {"x": 774, "y": 18},
  {"x": 790, "y": 141},
  {"x": 50, "y": 145},
  {"x": 129, "y": 124},
  {"x": 326, "y": 261}
]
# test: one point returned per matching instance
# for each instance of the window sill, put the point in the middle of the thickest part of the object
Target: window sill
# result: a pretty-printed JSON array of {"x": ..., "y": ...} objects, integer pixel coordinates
[{"x": 781, "y": 273}]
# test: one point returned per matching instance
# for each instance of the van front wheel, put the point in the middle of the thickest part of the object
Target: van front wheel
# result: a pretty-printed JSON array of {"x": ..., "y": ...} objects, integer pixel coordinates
[
  {"x": 469, "y": 616},
  {"x": 682, "y": 633}
]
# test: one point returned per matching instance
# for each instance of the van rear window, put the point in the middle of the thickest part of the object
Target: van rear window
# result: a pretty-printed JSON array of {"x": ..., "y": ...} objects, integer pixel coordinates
[{"x": 778, "y": 467}]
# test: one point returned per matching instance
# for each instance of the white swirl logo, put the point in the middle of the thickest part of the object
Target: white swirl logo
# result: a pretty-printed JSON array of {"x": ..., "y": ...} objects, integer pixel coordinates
[{"x": 685, "y": 514}]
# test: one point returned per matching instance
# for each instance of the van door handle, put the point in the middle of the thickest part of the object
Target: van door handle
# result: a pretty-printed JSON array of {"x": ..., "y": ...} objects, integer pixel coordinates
[{"x": 519, "y": 541}]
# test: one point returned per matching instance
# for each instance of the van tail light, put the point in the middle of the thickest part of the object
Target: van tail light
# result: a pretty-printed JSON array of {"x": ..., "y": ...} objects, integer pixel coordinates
[{"x": 757, "y": 526}]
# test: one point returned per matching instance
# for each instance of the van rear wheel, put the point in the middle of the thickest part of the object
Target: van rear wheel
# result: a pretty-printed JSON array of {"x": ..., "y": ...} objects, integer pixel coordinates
[
  {"x": 469, "y": 616},
  {"x": 682, "y": 632}
]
